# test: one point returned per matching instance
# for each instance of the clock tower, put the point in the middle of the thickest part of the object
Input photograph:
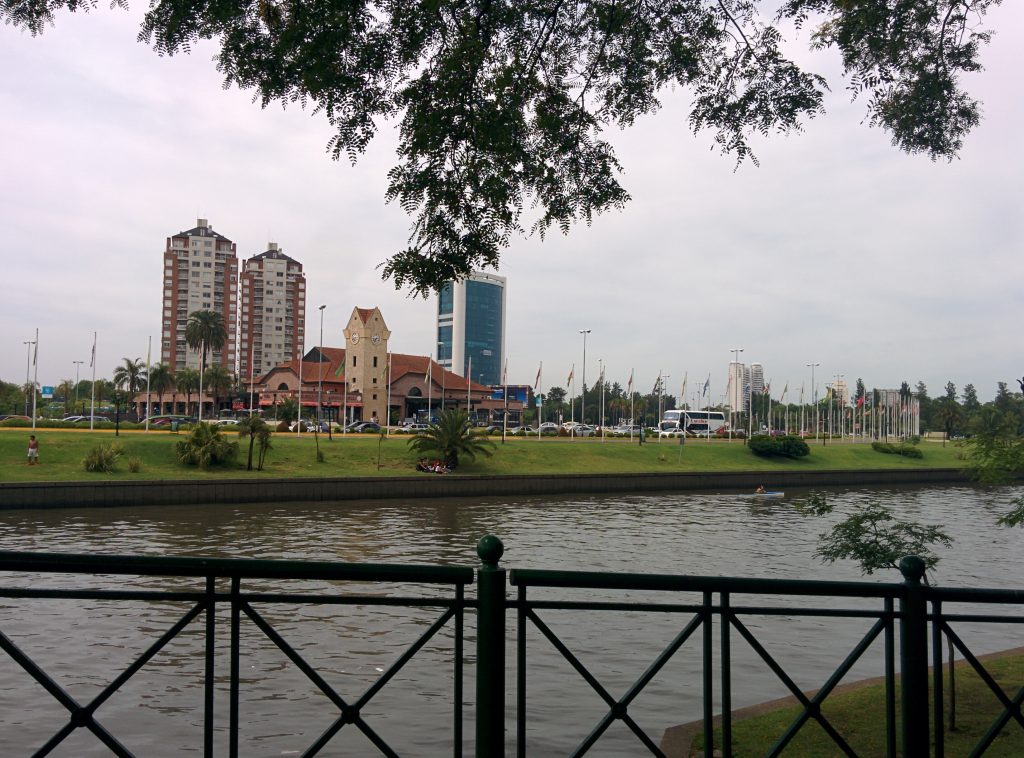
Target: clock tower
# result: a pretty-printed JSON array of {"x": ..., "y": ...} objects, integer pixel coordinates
[{"x": 366, "y": 360}]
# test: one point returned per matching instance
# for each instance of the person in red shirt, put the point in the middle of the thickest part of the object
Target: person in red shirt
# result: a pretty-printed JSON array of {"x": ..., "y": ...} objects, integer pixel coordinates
[{"x": 33, "y": 450}]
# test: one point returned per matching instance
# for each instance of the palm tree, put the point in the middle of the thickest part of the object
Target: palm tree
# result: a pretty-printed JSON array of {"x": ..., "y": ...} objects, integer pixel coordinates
[
  {"x": 205, "y": 330},
  {"x": 218, "y": 382},
  {"x": 130, "y": 377},
  {"x": 451, "y": 436},
  {"x": 66, "y": 390},
  {"x": 161, "y": 379},
  {"x": 187, "y": 380},
  {"x": 257, "y": 430}
]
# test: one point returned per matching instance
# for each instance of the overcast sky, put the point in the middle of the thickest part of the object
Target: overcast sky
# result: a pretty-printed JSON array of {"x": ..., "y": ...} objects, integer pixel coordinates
[{"x": 838, "y": 250}]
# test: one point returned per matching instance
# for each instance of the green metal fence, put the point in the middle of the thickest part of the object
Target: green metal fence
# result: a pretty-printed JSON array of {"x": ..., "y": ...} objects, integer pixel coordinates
[
  {"x": 243, "y": 604},
  {"x": 712, "y": 613}
]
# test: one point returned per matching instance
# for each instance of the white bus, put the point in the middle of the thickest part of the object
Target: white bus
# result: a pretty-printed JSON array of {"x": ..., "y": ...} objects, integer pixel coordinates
[{"x": 694, "y": 422}]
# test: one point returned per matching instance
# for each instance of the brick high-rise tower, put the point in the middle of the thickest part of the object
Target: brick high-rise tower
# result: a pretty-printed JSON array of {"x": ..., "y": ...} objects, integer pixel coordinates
[
  {"x": 200, "y": 274},
  {"x": 272, "y": 320}
]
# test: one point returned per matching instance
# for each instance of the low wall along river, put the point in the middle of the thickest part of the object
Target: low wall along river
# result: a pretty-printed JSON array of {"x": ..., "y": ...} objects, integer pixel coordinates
[{"x": 85, "y": 643}]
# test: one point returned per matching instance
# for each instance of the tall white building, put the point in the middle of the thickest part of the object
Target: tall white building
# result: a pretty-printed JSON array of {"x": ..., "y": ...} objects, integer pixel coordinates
[
  {"x": 756, "y": 378},
  {"x": 736, "y": 396},
  {"x": 200, "y": 274},
  {"x": 471, "y": 327},
  {"x": 272, "y": 319}
]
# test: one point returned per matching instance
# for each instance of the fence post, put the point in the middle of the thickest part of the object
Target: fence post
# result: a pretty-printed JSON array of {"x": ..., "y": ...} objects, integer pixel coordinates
[
  {"x": 914, "y": 659},
  {"x": 490, "y": 649}
]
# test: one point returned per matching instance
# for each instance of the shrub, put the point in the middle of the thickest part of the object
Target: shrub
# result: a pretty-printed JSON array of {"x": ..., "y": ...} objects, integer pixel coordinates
[
  {"x": 205, "y": 446},
  {"x": 134, "y": 464},
  {"x": 789, "y": 446},
  {"x": 101, "y": 459},
  {"x": 907, "y": 451}
]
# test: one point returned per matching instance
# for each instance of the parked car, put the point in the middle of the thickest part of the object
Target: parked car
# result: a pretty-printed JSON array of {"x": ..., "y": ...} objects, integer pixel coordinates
[
  {"x": 583, "y": 430},
  {"x": 415, "y": 428},
  {"x": 364, "y": 427},
  {"x": 672, "y": 432},
  {"x": 307, "y": 426},
  {"x": 627, "y": 430},
  {"x": 226, "y": 422},
  {"x": 520, "y": 431}
]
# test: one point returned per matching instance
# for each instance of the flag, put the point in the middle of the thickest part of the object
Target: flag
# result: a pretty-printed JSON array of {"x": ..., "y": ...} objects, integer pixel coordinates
[
  {"x": 341, "y": 368},
  {"x": 629, "y": 384},
  {"x": 707, "y": 384},
  {"x": 536, "y": 382},
  {"x": 430, "y": 368},
  {"x": 657, "y": 385},
  {"x": 784, "y": 391},
  {"x": 860, "y": 401},
  {"x": 572, "y": 373},
  {"x": 387, "y": 365},
  {"x": 35, "y": 351},
  {"x": 801, "y": 394},
  {"x": 504, "y": 373},
  {"x": 682, "y": 399},
  {"x": 600, "y": 379},
  {"x": 92, "y": 360}
]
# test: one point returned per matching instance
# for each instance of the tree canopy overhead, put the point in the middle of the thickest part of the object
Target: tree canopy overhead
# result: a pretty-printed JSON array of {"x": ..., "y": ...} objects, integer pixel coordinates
[{"x": 503, "y": 106}]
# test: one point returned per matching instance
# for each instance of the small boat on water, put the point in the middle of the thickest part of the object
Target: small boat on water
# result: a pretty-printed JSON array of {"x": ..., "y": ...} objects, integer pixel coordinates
[{"x": 768, "y": 494}]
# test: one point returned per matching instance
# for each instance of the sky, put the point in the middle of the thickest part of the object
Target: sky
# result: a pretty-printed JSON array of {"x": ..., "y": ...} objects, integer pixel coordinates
[{"x": 838, "y": 250}]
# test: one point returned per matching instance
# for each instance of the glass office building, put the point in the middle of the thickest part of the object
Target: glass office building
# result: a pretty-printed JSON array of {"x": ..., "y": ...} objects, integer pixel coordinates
[{"x": 471, "y": 327}]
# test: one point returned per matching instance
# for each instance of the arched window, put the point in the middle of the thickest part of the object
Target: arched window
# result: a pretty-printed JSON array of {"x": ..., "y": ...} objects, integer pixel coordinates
[
  {"x": 414, "y": 392},
  {"x": 282, "y": 387}
]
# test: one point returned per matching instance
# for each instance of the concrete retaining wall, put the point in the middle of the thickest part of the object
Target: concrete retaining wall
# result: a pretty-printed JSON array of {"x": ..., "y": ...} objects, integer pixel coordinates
[{"x": 234, "y": 491}]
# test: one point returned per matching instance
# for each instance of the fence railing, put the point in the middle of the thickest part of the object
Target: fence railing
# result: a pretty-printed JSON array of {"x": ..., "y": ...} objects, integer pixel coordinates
[{"x": 902, "y": 616}]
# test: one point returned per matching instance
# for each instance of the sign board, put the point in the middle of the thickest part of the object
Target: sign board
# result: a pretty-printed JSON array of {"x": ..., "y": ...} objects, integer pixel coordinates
[{"x": 47, "y": 392}]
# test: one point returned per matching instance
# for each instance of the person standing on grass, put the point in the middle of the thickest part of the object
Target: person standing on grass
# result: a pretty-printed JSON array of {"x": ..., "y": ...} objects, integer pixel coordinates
[{"x": 33, "y": 450}]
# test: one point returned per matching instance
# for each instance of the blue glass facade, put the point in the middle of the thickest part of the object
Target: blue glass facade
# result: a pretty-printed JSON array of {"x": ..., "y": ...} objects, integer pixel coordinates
[
  {"x": 483, "y": 330},
  {"x": 444, "y": 343},
  {"x": 444, "y": 300}
]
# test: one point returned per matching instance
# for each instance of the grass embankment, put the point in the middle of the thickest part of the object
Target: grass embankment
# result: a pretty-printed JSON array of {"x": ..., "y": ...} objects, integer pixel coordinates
[
  {"x": 858, "y": 714},
  {"x": 61, "y": 454}
]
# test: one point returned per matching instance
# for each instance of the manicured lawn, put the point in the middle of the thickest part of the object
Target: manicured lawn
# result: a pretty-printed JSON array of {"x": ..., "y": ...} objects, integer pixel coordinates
[
  {"x": 62, "y": 451},
  {"x": 858, "y": 714}
]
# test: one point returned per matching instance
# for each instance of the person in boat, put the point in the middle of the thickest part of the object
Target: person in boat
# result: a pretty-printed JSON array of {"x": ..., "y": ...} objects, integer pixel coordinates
[{"x": 760, "y": 490}]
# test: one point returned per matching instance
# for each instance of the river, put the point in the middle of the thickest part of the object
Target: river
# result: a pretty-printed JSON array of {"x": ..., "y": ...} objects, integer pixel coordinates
[{"x": 159, "y": 712}]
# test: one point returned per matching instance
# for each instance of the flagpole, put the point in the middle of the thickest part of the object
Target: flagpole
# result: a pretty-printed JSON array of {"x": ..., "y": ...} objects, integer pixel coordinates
[
  {"x": 632, "y": 417},
  {"x": 540, "y": 399},
  {"x": 35, "y": 378},
  {"x": 504, "y": 393},
  {"x": 430, "y": 385},
  {"x": 387, "y": 411},
  {"x": 572, "y": 400},
  {"x": 344, "y": 395},
  {"x": 92, "y": 390},
  {"x": 469, "y": 380},
  {"x": 149, "y": 356},
  {"x": 298, "y": 413}
]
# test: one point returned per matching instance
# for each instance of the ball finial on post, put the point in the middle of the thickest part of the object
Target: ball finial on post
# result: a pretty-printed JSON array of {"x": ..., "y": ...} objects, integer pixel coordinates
[
  {"x": 490, "y": 549},
  {"x": 912, "y": 567}
]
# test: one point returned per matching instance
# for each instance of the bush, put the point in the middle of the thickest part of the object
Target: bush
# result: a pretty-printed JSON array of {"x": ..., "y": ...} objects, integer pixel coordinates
[
  {"x": 134, "y": 464},
  {"x": 205, "y": 446},
  {"x": 907, "y": 451},
  {"x": 789, "y": 446},
  {"x": 101, "y": 459}
]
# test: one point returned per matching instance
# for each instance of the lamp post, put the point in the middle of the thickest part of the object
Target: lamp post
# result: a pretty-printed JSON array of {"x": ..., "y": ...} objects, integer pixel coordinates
[
  {"x": 583, "y": 397},
  {"x": 78, "y": 365},
  {"x": 814, "y": 396},
  {"x": 839, "y": 407},
  {"x": 28, "y": 363},
  {"x": 320, "y": 375},
  {"x": 738, "y": 394}
]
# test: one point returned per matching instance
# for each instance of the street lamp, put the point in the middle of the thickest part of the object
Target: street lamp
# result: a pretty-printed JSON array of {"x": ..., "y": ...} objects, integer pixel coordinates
[
  {"x": 814, "y": 396},
  {"x": 839, "y": 407},
  {"x": 736, "y": 393},
  {"x": 320, "y": 378},
  {"x": 78, "y": 365},
  {"x": 583, "y": 397},
  {"x": 28, "y": 362}
]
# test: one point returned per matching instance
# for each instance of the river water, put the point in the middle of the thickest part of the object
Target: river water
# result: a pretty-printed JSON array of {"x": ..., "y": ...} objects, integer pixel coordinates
[{"x": 83, "y": 644}]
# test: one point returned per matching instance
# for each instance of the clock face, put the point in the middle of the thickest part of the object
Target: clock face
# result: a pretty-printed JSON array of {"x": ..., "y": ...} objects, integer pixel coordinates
[
  {"x": 375, "y": 339},
  {"x": 355, "y": 338}
]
